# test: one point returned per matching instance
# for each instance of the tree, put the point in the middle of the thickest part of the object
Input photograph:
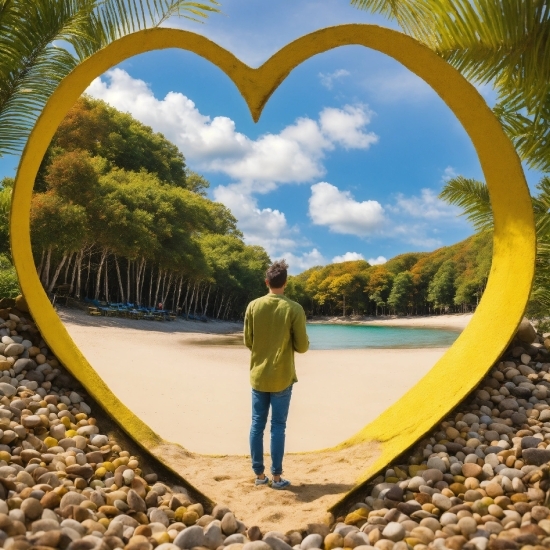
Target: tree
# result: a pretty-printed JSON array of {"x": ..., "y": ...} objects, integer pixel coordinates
[
  {"x": 9, "y": 285},
  {"x": 342, "y": 285},
  {"x": 441, "y": 290},
  {"x": 41, "y": 41},
  {"x": 101, "y": 130},
  {"x": 379, "y": 286},
  {"x": 400, "y": 299},
  {"x": 143, "y": 235},
  {"x": 505, "y": 43},
  {"x": 6, "y": 187}
]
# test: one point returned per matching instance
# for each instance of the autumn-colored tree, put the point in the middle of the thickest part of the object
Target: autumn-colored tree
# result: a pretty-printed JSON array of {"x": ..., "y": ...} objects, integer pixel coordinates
[
  {"x": 379, "y": 285},
  {"x": 117, "y": 215}
]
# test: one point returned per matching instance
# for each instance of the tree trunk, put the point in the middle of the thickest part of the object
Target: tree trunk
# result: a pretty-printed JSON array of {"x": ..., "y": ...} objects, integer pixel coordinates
[
  {"x": 120, "y": 285},
  {"x": 39, "y": 270},
  {"x": 151, "y": 284},
  {"x": 177, "y": 300},
  {"x": 226, "y": 312},
  {"x": 184, "y": 303},
  {"x": 207, "y": 297},
  {"x": 98, "y": 275},
  {"x": 159, "y": 277},
  {"x": 129, "y": 262},
  {"x": 76, "y": 273},
  {"x": 215, "y": 302},
  {"x": 67, "y": 265},
  {"x": 46, "y": 274},
  {"x": 190, "y": 304},
  {"x": 162, "y": 288},
  {"x": 57, "y": 272},
  {"x": 106, "y": 279},
  {"x": 139, "y": 273},
  {"x": 167, "y": 290},
  {"x": 196, "y": 300},
  {"x": 221, "y": 305}
]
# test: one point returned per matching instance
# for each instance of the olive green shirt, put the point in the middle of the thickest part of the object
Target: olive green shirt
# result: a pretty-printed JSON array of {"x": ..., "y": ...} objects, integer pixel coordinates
[{"x": 274, "y": 328}]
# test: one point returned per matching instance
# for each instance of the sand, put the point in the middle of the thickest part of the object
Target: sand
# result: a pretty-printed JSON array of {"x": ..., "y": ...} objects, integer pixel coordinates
[
  {"x": 456, "y": 321},
  {"x": 189, "y": 382}
]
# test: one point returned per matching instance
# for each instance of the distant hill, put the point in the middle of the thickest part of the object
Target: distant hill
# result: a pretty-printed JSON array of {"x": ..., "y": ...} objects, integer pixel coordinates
[{"x": 449, "y": 279}]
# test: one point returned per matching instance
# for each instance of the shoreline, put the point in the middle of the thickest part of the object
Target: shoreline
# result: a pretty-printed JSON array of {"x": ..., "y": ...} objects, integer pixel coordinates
[
  {"x": 202, "y": 368},
  {"x": 197, "y": 398},
  {"x": 456, "y": 321}
]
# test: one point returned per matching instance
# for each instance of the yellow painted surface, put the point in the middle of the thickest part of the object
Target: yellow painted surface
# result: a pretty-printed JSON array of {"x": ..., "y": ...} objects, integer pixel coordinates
[{"x": 503, "y": 303}]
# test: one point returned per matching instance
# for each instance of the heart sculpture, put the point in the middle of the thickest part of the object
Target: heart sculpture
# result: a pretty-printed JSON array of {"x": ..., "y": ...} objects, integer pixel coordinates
[{"x": 497, "y": 316}]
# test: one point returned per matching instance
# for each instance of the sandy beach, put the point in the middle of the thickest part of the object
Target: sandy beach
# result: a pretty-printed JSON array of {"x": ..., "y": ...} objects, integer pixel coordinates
[
  {"x": 189, "y": 382},
  {"x": 457, "y": 321}
]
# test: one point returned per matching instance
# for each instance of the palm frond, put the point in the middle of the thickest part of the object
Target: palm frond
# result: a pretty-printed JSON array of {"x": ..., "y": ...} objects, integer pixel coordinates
[
  {"x": 505, "y": 43},
  {"x": 473, "y": 197},
  {"x": 42, "y": 41}
]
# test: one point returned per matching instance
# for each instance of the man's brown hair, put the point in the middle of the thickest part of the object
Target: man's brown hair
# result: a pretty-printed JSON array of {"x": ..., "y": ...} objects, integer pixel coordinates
[{"x": 276, "y": 274}]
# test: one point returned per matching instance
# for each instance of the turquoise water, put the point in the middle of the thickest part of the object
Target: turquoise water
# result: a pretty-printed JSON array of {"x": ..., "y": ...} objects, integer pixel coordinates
[{"x": 361, "y": 336}]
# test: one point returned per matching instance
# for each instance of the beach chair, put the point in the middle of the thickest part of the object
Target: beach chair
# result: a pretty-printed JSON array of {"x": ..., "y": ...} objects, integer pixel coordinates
[{"x": 92, "y": 310}]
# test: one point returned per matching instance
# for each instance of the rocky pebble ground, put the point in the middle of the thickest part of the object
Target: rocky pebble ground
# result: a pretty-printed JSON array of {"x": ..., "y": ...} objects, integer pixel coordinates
[{"x": 478, "y": 481}]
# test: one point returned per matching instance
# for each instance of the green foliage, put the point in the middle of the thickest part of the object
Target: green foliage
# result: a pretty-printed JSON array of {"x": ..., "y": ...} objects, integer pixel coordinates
[
  {"x": 401, "y": 295},
  {"x": 41, "y": 41},
  {"x": 378, "y": 286},
  {"x": 120, "y": 141},
  {"x": 125, "y": 218},
  {"x": 441, "y": 290},
  {"x": 9, "y": 285},
  {"x": 6, "y": 186},
  {"x": 505, "y": 43},
  {"x": 472, "y": 197},
  {"x": 450, "y": 278}
]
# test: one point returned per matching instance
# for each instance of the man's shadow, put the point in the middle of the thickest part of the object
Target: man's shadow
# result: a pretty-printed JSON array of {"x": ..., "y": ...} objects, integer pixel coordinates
[{"x": 309, "y": 492}]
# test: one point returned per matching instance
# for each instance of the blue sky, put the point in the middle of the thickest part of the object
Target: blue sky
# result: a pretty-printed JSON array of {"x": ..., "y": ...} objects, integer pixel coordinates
[{"x": 350, "y": 152}]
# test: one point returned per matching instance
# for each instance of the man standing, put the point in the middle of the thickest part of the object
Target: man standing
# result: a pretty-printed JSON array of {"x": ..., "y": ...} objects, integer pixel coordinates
[{"x": 274, "y": 328}]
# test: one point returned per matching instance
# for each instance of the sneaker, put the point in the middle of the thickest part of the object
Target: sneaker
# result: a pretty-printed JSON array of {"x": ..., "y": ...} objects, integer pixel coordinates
[
  {"x": 280, "y": 484},
  {"x": 263, "y": 481}
]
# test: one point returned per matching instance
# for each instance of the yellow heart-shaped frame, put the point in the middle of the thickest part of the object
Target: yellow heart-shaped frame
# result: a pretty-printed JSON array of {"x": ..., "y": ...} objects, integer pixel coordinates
[{"x": 499, "y": 312}]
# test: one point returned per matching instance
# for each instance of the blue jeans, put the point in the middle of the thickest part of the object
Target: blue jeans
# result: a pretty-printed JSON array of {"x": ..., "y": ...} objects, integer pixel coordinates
[{"x": 279, "y": 402}]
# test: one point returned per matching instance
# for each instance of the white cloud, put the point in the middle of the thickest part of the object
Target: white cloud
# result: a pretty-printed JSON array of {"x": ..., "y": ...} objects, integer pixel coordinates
[
  {"x": 377, "y": 261},
  {"x": 448, "y": 174},
  {"x": 209, "y": 144},
  {"x": 427, "y": 206},
  {"x": 416, "y": 234},
  {"x": 347, "y": 257},
  {"x": 397, "y": 86},
  {"x": 327, "y": 79},
  {"x": 346, "y": 126},
  {"x": 341, "y": 213},
  {"x": 409, "y": 219},
  {"x": 264, "y": 226},
  {"x": 299, "y": 263},
  {"x": 213, "y": 144}
]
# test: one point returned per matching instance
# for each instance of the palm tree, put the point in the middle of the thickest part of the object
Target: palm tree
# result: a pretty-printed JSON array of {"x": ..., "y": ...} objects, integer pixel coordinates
[
  {"x": 505, "y": 43},
  {"x": 472, "y": 197},
  {"x": 41, "y": 41}
]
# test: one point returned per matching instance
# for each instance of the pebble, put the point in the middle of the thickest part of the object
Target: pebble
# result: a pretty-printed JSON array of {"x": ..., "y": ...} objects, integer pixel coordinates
[
  {"x": 478, "y": 481},
  {"x": 394, "y": 531},
  {"x": 312, "y": 541}
]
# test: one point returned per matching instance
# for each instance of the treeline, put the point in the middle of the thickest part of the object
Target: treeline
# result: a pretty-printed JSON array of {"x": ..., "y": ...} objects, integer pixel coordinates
[
  {"x": 450, "y": 279},
  {"x": 117, "y": 216}
]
